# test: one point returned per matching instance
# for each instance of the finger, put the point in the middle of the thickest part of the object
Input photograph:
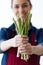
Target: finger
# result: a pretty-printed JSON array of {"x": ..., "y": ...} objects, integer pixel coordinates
[
  {"x": 25, "y": 39},
  {"x": 23, "y": 52},
  {"x": 23, "y": 45},
  {"x": 22, "y": 41},
  {"x": 18, "y": 55},
  {"x": 18, "y": 36},
  {"x": 24, "y": 36}
]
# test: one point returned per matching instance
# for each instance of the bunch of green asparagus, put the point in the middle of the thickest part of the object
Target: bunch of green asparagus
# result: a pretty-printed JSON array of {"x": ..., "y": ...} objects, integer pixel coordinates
[{"x": 22, "y": 29}]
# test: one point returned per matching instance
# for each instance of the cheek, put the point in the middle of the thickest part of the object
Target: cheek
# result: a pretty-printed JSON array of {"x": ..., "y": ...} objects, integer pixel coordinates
[
  {"x": 27, "y": 9},
  {"x": 15, "y": 12}
]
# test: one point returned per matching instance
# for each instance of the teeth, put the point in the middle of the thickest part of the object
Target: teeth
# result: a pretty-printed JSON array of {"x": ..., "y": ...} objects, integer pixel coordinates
[{"x": 22, "y": 15}]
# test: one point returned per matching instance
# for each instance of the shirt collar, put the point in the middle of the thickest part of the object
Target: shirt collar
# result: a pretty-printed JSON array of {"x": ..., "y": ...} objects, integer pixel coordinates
[{"x": 32, "y": 28}]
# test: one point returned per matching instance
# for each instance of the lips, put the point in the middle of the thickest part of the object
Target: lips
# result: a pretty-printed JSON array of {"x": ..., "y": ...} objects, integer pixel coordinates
[{"x": 23, "y": 16}]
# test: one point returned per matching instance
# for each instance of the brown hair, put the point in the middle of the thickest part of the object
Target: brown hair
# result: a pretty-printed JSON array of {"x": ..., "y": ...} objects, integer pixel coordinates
[{"x": 12, "y": 3}]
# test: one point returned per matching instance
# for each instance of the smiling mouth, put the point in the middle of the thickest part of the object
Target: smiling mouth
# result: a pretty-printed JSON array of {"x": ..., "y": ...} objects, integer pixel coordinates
[{"x": 23, "y": 16}]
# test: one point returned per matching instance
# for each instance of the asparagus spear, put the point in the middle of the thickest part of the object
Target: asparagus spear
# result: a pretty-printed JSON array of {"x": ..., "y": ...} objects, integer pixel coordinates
[{"x": 22, "y": 29}]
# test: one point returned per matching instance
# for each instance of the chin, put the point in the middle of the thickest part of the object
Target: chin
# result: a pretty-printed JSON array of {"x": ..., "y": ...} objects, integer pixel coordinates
[{"x": 25, "y": 17}]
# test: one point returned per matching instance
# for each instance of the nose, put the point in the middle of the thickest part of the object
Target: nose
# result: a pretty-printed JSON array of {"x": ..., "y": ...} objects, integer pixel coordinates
[{"x": 21, "y": 10}]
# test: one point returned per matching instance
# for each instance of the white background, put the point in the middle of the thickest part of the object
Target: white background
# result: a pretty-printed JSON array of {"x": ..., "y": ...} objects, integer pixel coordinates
[{"x": 6, "y": 16}]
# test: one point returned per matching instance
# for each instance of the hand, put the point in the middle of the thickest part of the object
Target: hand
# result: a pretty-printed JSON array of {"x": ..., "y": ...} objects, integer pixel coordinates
[
  {"x": 18, "y": 40},
  {"x": 25, "y": 49}
]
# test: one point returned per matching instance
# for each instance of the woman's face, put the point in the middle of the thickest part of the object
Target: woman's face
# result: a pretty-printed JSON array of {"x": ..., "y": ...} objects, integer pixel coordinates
[{"x": 21, "y": 8}]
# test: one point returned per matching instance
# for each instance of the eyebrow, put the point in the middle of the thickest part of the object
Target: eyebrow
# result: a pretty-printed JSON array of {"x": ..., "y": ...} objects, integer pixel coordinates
[{"x": 24, "y": 3}]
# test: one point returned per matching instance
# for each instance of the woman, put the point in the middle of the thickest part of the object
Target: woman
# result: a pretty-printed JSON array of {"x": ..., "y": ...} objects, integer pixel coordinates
[{"x": 13, "y": 42}]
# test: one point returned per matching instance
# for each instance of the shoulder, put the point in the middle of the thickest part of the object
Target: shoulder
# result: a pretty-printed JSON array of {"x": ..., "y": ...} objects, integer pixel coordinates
[
  {"x": 39, "y": 35},
  {"x": 5, "y": 32},
  {"x": 37, "y": 31}
]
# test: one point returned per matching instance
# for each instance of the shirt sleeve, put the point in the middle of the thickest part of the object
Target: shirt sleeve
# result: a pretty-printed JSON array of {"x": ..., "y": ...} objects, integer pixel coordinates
[
  {"x": 2, "y": 36},
  {"x": 40, "y": 36},
  {"x": 6, "y": 34}
]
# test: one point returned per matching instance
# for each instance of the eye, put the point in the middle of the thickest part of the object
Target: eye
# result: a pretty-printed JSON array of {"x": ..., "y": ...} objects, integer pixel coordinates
[
  {"x": 16, "y": 6},
  {"x": 25, "y": 5}
]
